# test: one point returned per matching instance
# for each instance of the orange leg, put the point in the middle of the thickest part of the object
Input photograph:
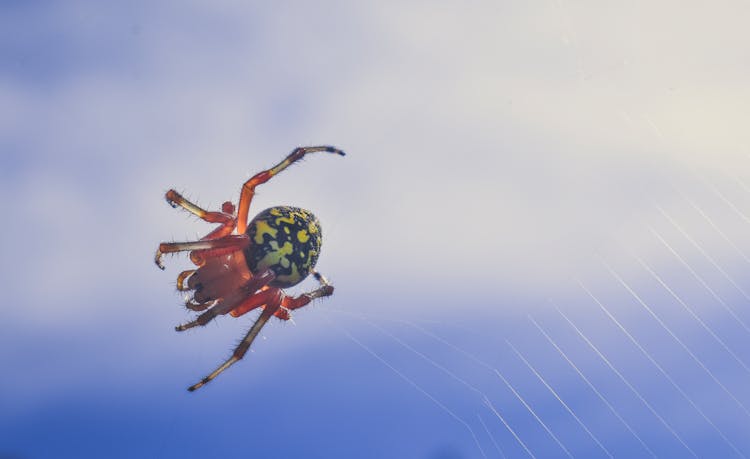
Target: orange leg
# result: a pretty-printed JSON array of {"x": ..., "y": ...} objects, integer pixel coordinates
[
  {"x": 197, "y": 307},
  {"x": 270, "y": 296},
  {"x": 225, "y": 217},
  {"x": 291, "y": 303},
  {"x": 248, "y": 189},
  {"x": 231, "y": 243},
  {"x": 181, "y": 280},
  {"x": 242, "y": 348},
  {"x": 176, "y": 199},
  {"x": 248, "y": 290}
]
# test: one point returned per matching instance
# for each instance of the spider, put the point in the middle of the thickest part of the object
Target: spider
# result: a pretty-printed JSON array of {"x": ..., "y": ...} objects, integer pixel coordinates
[{"x": 242, "y": 266}]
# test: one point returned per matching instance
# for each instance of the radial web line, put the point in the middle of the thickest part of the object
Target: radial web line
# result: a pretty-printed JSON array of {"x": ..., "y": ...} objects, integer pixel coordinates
[
  {"x": 507, "y": 426},
  {"x": 692, "y": 313},
  {"x": 424, "y": 357},
  {"x": 627, "y": 383},
  {"x": 704, "y": 253},
  {"x": 661, "y": 369},
  {"x": 412, "y": 383},
  {"x": 489, "y": 434},
  {"x": 533, "y": 413},
  {"x": 485, "y": 365},
  {"x": 723, "y": 198},
  {"x": 466, "y": 353},
  {"x": 684, "y": 347},
  {"x": 741, "y": 183},
  {"x": 559, "y": 399},
  {"x": 713, "y": 225},
  {"x": 701, "y": 281},
  {"x": 675, "y": 337},
  {"x": 593, "y": 388}
]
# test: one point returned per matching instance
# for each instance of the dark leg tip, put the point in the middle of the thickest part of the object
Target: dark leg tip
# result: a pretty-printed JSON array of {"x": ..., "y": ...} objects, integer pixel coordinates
[
  {"x": 197, "y": 386},
  {"x": 334, "y": 150},
  {"x": 158, "y": 259}
]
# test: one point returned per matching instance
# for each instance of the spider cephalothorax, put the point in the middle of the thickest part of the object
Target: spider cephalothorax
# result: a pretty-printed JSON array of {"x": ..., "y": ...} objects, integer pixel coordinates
[{"x": 243, "y": 266}]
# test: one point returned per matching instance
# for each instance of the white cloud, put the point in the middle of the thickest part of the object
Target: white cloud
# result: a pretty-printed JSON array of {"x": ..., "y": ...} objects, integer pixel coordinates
[{"x": 494, "y": 145}]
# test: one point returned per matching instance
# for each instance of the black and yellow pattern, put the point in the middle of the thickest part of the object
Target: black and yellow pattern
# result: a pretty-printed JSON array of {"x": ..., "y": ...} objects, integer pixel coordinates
[{"x": 285, "y": 240}]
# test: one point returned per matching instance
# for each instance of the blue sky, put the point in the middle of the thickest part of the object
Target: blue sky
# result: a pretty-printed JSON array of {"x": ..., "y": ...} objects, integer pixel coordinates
[{"x": 529, "y": 187}]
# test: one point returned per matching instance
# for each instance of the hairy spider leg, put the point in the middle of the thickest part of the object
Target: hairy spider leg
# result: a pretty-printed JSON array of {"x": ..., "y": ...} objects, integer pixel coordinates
[
  {"x": 291, "y": 303},
  {"x": 274, "y": 303},
  {"x": 175, "y": 199},
  {"x": 181, "y": 280},
  {"x": 241, "y": 349},
  {"x": 225, "y": 217},
  {"x": 228, "y": 244},
  {"x": 224, "y": 305},
  {"x": 248, "y": 188},
  {"x": 272, "y": 296},
  {"x": 198, "y": 307}
]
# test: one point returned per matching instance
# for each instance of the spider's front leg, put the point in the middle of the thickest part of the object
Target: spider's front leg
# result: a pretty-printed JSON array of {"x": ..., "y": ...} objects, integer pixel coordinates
[
  {"x": 248, "y": 188},
  {"x": 225, "y": 218},
  {"x": 225, "y": 244}
]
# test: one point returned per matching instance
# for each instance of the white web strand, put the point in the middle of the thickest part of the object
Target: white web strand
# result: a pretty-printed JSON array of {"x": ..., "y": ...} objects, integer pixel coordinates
[
  {"x": 692, "y": 313},
  {"x": 497, "y": 414},
  {"x": 713, "y": 225},
  {"x": 533, "y": 413},
  {"x": 704, "y": 253},
  {"x": 559, "y": 399},
  {"x": 413, "y": 384},
  {"x": 628, "y": 384},
  {"x": 486, "y": 399},
  {"x": 492, "y": 437},
  {"x": 593, "y": 388},
  {"x": 684, "y": 346},
  {"x": 723, "y": 198},
  {"x": 660, "y": 368},
  {"x": 701, "y": 281}
]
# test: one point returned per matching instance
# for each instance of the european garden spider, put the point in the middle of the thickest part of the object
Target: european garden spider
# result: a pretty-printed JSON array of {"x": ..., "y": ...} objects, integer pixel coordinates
[{"x": 243, "y": 266}]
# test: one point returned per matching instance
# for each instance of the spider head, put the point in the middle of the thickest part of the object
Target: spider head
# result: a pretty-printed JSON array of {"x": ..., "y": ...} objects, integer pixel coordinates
[{"x": 285, "y": 240}]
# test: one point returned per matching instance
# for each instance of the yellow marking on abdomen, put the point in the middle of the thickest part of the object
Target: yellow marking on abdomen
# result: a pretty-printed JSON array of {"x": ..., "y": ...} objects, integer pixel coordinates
[
  {"x": 261, "y": 228},
  {"x": 277, "y": 255}
]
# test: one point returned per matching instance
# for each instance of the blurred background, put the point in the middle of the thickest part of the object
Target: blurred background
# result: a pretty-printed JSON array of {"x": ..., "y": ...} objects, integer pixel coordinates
[{"x": 538, "y": 237}]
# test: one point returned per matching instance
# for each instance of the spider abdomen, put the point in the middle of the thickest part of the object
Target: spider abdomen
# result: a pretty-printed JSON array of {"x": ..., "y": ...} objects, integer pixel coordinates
[{"x": 285, "y": 240}]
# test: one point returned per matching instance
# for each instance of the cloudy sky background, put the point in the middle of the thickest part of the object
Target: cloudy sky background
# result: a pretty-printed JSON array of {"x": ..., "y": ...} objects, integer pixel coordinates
[{"x": 501, "y": 157}]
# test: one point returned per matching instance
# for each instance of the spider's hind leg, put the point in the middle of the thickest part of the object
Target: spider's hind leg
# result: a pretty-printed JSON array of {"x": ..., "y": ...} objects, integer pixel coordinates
[
  {"x": 242, "y": 348},
  {"x": 291, "y": 303},
  {"x": 224, "y": 305}
]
